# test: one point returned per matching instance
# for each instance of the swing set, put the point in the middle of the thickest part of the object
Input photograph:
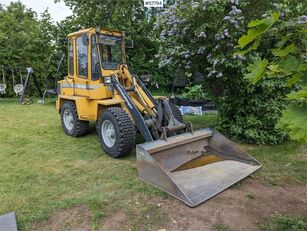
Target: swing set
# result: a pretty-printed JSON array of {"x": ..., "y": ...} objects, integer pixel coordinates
[
  {"x": 20, "y": 85},
  {"x": 3, "y": 84},
  {"x": 17, "y": 86}
]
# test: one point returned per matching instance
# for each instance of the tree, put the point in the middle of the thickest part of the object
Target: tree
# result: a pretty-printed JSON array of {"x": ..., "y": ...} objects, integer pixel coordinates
[{"x": 24, "y": 40}]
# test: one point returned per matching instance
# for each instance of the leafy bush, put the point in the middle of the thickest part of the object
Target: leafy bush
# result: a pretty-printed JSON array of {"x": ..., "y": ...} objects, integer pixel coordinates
[
  {"x": 252, "y": 113},
  {"x": 285, "y": 223},
  {"x": 201, "y": 36},
  {"x": 285, "y": 60},
  {"x": 194, "y": 92}
]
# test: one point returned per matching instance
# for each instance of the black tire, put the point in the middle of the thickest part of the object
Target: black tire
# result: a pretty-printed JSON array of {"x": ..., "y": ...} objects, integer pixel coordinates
[
  {"x": 176, "y": 112},
  {"x": 124, "y": 132},
  {"x": 178, "y": 116},
  {"x": 79, "y": 127}
]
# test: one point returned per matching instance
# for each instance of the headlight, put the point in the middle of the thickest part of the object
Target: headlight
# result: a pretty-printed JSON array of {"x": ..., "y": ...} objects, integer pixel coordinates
[{"x": 107, "y": 80}]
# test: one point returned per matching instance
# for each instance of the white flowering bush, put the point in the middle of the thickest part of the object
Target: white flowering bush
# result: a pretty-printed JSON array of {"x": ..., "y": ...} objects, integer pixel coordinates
[{"x": 200, "y": 35}]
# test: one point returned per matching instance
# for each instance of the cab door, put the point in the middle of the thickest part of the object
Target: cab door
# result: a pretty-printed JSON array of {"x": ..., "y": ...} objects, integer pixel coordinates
[{"x": 82, "y": 63}]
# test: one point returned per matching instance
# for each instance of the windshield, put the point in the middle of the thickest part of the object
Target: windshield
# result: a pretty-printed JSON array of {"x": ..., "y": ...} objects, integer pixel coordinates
[{"x": 111, "y": 52}]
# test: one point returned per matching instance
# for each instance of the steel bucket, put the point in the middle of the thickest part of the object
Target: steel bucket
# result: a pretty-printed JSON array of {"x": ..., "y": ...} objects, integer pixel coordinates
[{"x": 194, "y": 167}]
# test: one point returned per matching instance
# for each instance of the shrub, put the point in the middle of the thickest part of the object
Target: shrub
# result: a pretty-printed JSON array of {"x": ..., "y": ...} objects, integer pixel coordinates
[
  {"x": 201, "y": 36},
  {"x": 194, "y": 92},
  {"x": 251, "y": 114},
  {"x": 285, "y": 223},
  {"x": 285, "y": 61}
]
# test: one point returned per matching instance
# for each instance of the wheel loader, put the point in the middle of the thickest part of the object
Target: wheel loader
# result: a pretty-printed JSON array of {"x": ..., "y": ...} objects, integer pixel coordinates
[{"x": 190, "y": 165}]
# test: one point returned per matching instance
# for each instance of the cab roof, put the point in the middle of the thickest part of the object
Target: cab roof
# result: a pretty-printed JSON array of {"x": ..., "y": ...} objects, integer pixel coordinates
[{"x": 93, "y": 30}]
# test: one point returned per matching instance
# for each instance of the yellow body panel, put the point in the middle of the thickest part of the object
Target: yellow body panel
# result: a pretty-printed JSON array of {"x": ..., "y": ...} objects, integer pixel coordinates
[{"x": 110, "y": 102}]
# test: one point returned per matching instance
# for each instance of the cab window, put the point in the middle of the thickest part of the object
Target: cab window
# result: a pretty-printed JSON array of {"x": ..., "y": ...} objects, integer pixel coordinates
[
  {"x": 70, "y": 57},
  {"x": 110, "y": 47},
  {"x": 82, "y": 61},
  {"x": 96, "y": 71}
]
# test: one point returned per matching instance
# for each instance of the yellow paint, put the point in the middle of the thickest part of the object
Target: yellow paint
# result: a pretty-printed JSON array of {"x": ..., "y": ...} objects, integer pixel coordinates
[
  {"x": 93, "y": 96},
  {"x": 200, "y": 161},
  {"x": 108, "y": 102}
]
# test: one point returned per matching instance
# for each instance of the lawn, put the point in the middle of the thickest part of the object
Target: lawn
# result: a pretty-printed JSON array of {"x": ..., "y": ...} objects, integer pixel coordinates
[{"x": 42, "y": 170}]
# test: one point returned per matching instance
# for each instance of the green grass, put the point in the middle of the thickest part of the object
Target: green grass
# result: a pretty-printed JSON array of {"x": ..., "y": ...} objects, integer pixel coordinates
[
  {"x": 285, "y": 223},
  {"x": 222, "y": 227},
  {"x": 208, "y": 120},
  {"x": 285, "y": 163},
  {"x": 43, "y": 170}
]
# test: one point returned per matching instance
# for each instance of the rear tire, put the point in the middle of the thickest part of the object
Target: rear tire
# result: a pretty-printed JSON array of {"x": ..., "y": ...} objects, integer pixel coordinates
[
  {"x": 178, "y": 116},
  {"x": 70, "y": 122},
  {"x": 176, "y": 112},
  {"x": 116, "y": 132}
]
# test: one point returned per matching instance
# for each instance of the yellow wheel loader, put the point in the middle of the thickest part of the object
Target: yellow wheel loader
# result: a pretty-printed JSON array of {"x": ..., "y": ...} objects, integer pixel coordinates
[{"x": 190, "y": 165}]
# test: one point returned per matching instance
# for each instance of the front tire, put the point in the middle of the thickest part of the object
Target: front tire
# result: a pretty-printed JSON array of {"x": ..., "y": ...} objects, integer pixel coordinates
[
  {"x": 70, "y": 122},
  {"x": 116, "y": 132},
  {"x": 178, "y": 116}
]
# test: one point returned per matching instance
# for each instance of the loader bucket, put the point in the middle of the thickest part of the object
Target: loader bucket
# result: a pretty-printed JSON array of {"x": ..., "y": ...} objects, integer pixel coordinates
[{"x": 194, "y": 167}]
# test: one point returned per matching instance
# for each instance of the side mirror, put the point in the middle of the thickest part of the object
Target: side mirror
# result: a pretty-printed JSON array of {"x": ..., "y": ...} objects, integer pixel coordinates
[
  {"x": 129, "y": 44},
  {"x": 85, "y": 40}
]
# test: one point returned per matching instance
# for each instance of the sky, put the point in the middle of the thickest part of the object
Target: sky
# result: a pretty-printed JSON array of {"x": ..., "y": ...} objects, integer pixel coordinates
[{"x": 58, "y": 11}]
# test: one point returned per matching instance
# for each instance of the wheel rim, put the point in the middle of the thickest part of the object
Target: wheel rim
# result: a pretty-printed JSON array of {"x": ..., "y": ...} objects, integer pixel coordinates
[
  {"x": 108, "y": 133},
  {"x": 68, "y": 119}
]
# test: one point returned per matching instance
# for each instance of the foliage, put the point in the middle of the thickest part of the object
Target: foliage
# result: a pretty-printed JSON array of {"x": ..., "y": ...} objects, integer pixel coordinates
[
  {"x": 194, "y": 92},
  {"x": 24, "y": 40},
  {"x": 201, "y": 36},
  {"x": 285, "y": 223},
  {"x": 285, "y": 60},
  {"x": 252, "y": 113}
]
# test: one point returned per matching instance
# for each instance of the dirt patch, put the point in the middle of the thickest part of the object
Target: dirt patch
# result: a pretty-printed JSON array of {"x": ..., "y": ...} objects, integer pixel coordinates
[
  {"x": 77, "y": 218},
  {"x": 239, "y": 209},
  {"x": 114, "y": 222}
]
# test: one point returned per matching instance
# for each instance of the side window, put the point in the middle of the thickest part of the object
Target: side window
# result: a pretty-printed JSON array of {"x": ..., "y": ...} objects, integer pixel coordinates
[
  {"x": 70, "y": 57},
  {"x": 82, "y": 58},
  {"x": 96, "y": 72},
  {"x": 106, "y": 53}
]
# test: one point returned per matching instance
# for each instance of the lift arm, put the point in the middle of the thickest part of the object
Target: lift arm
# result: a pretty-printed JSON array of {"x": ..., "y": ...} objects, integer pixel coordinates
[{"x": 139, "y": 120}]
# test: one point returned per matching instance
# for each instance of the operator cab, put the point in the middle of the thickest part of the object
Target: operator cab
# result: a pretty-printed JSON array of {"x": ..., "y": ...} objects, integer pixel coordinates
[{"x": 95, "y": 53}]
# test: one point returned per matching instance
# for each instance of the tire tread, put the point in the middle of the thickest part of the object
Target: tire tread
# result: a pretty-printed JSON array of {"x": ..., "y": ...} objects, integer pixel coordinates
[
  {"x": 126, "y": 132},
  {"x": 81, "y": 127}
]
